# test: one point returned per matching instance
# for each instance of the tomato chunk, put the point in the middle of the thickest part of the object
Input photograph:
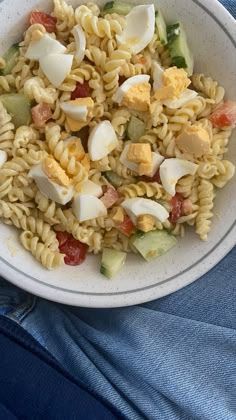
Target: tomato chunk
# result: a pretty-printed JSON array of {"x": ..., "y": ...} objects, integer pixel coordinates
[
  {"x": 41, "y": 113},
  {"x": 75, "y": 251},
  {"x": 110, "y": 197},
  {"x": 82, "y": 90},
  {"x": 154, "y": 178},
  {"x": 126, "y": 227},
  {"x": 224, "y": 115},
  {"x": 48, "y": 21},
  {"x": 177, "y": 206}
]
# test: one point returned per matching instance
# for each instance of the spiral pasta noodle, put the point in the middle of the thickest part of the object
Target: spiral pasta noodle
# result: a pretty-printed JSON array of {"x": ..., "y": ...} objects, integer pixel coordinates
[{"x": 206, "y": 203}]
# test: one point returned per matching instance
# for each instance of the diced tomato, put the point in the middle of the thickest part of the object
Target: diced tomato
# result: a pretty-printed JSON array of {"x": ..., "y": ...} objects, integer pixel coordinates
[
  {"x": 48, "y": 21},
  {"x": 110, "y": 197},
  {"x": 63, "y": 237},
  {"x": 224, "y": 115},
  {"x": 176, "y": 204},
  {"x": 41, "y": 113},
  {"x": 75, "y": 252},
  {"x": 82, "y": 90},
  {"x": 154, "y": 178},
  {"x": 126, "y": 227}
]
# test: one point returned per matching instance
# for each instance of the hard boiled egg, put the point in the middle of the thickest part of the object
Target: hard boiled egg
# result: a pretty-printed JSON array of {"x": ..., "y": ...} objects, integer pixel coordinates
[
  {"x": 135, "y": 207},
  {"x": 80, "y": 43},
  {"x": 102, "y": 140},
  {"x": 3, "y": 157},
  {"x": 185, "y": 97},
  {"x": 157, "y": 75},
  {"x": 157, "y": 159},
  {"x": 91, "y": 188},
  {"x": 56, "y": 67},
  {"x": 44, "y": 46},
  {"x": 171, "y": 170},
  {"x": 134, "y": 93},
  {"x": 87, "y": 207},
  {"x": 78, "y": 109},
  {"x": 139, "y": 29},
  {"x": 58, "y": 193}
]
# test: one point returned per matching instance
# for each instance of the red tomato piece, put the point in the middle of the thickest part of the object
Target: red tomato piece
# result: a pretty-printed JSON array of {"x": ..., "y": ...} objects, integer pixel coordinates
[
  {"x": 154, "y": 178},
  {"x": 63, "y": 237},
  {"x": 109, "y": 197},
  {"x": 177, "y": 204},
  {"x": 187, "y": 207},
  {"x": 75, "y": 251},
  {"x": 224, "y": 115},
  {"x": 41, "y": 113},
  {"x": 82, "y": 90},
  {"x": 48, "y": 21},
  {"x": 126, "y": 227}
]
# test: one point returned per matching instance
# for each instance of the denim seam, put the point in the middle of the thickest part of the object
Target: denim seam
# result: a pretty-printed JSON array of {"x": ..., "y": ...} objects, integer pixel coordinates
[{"x": 21, "y": 312}]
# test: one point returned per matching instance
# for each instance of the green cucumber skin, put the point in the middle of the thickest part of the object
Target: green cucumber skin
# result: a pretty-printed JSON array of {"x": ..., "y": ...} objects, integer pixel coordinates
[
  {"x": 112, "y": 262},
  {"x": 136, "y": 128},
  {"x": 161, "y": 27},
  {"x": 18, "y": 106},
  {"x": 178, "y": 47},
  {"x": 114, "y": 179}
]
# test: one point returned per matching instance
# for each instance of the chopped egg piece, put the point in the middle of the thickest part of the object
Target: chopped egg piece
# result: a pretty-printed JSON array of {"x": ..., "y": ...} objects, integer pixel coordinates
[
  {"x": 87, "y": 207},
  {"x": 136, "y": 207},
  {"x": 157, "y": 159},
  {"x": 80, "y": 43},
  {"x": 3, "y": 157},
  {"x": 145, "y": 222},
  {"x": 194, "y": 140},
  {"x": 55, "y": 192},
  {"x": 171, "y": 170},
  {"x": 102, "y": 140},
  {"x": 78, "y": 109},
  {"x": 145, "y": 168},
  {"x": 56, "y": 67},
  {"x": 139, "y": 29},
  {"x": 91, "y": 188},
  {"x": 55, "y": 172},
  {"x": 185, "y": 97},
  {"x": 44, "y": 46},
  {"x": 75, "y": 125},
  {"x": 157, "y": 75},
  {"x": 75, "y": 147},
  {"x": 175, "y": 82},
  {"x": 140, "y": 153},
  {"x": 134, "y": 93}
]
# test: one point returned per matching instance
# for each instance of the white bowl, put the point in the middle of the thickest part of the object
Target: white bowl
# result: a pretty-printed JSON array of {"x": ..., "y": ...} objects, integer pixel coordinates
[{"x": 212, "y": 36}]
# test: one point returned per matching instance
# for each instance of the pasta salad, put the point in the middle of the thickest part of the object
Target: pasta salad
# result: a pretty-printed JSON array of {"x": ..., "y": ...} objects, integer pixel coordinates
[{"x": 109, "y": 141}]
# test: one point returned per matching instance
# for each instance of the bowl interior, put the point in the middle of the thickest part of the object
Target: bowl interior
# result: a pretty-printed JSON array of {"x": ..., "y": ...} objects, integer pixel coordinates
[{"x": 209, "y": 30}]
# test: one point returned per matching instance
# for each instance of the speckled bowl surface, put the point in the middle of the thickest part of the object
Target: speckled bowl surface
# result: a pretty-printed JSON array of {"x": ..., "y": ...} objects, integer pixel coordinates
[{"x": 212, "y": 36}]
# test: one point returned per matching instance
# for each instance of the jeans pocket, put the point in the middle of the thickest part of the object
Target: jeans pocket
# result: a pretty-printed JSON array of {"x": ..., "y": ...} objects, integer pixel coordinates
[{"x": 14, "y": 302}]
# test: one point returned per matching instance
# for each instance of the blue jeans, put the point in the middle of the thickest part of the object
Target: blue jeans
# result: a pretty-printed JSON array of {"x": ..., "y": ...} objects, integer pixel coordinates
[{"x": 174, "y": 358}]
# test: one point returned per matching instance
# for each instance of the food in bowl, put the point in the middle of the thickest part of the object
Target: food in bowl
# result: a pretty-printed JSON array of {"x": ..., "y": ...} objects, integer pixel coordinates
[{"x": 109, "y": 141}]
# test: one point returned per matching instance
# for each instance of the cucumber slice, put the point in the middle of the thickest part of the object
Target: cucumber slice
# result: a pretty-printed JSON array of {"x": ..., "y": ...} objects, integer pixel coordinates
[
  {"x": 161, "y": 27},
  {"x": 136, "y": 128},
  {"x": 18, "y": 106},
  {"x": 178, "y": 46},
  {"x": 10, "y": 58},
  {"x": 114, "y": 179},
  {"x": 153, "y": 244},
  {"x": 112, "y": 262},
  {"x": 119, "y": 7}
]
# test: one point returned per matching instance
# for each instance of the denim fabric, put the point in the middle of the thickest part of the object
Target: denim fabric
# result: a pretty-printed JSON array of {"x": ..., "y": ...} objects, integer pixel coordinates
[{"x": 170, "y": 359}]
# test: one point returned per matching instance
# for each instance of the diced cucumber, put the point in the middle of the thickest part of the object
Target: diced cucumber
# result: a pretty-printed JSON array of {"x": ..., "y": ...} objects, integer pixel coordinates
[
  {"x": 114, "y": 179},
  {"x": 153, "y": 244},
  {"x": 136, "y": 128},
  {"x": 178, "y": 46},
  {"x": 119, "y": 7},
  {"x": 161, "y": 27},
  {"x": 112, "y": 262},
  {"x": 18, "y": 106},
  {"x": 10, "y": 57}
]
